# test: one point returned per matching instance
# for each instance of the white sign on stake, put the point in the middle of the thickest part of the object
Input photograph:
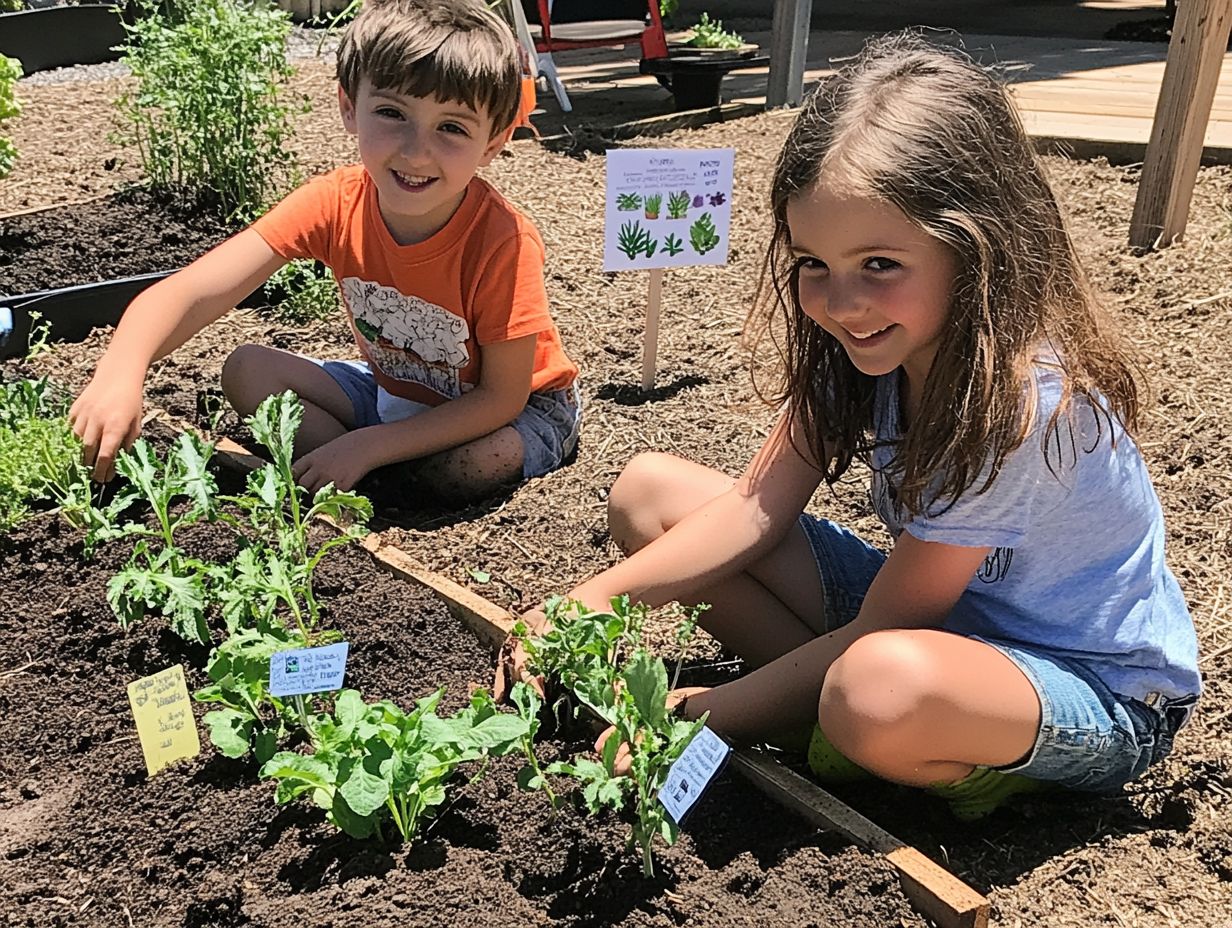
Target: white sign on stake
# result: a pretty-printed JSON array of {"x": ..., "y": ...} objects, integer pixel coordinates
[{"x": 665, "y": 207}]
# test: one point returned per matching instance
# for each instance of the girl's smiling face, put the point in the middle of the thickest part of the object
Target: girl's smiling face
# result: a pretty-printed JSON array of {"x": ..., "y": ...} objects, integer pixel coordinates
[
  {"x": 873, "y": 279},
  {"x": 421, "y": 153}
]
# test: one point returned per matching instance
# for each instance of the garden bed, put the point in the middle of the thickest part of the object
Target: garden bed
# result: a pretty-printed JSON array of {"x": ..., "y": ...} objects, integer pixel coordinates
[
  {"x": 86, "y": 838},
  {"x": 1159, "y": 854}
]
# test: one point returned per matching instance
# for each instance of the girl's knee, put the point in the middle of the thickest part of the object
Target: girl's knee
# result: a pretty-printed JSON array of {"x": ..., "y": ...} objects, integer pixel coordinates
[
  {"x": 634, "y": 513},
  {"x": 875, "y": 694}
]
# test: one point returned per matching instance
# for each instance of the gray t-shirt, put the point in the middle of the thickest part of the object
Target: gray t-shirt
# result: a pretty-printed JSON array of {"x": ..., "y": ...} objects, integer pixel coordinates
[{"x": 1078, "y": 561}]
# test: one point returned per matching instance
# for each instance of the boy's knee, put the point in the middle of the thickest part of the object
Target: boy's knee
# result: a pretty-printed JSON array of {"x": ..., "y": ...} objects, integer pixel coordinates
[
  {"x": 238, "y": 374},
  {"x": 632, "y": 503}
]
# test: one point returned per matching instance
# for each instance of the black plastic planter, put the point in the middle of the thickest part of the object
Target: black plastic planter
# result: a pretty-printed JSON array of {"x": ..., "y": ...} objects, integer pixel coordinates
[
  {"x": 60, "y": 36},
  {"x": 694, "y": 80}
]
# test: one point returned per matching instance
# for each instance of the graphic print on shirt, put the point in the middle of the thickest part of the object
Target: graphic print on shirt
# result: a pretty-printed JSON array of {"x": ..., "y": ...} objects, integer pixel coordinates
[
  {"x": 408, "y": 338},
  {"x": 996, "y": 565}
]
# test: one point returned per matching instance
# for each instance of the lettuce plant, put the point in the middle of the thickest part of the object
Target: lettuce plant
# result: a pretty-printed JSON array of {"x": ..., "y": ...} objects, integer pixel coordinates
[
  {"x": 39, "y": 454},
  {"x": 373, "y": 760},
  {"x": 702, "y": 234},
  {"x": 10, "y": 71}
]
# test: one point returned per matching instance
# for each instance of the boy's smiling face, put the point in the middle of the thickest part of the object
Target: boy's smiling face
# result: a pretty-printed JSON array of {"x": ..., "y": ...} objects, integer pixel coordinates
[{"x": 421, "y": 153}]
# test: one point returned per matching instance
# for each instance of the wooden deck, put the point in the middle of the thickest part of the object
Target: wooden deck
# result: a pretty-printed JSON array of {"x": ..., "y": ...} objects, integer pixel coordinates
[{"x": 1096, "y": 97}]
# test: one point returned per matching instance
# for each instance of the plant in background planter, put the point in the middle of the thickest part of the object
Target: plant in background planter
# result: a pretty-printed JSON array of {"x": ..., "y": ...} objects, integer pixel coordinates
[
  {"x": 208, "y": 117},
  {"x": 709, "y": 33},
  {"x": 305, "y": 291},
  {"x": 10, "y": 71}
]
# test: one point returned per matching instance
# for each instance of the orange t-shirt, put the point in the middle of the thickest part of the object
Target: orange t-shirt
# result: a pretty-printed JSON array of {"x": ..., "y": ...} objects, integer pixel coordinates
[{"x": 420, "y": 313}]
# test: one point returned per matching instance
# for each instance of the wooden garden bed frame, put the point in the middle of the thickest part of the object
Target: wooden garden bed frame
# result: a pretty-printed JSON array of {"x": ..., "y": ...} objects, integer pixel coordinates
[{"x": 933, "y": 890}]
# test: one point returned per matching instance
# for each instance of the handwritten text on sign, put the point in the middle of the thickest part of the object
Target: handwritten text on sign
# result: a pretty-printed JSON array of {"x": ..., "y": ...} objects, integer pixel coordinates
[
  {"x": 308, "y": 670},
  {"x": 164, "y": 717},
  {"x": 667, "y": 207}
]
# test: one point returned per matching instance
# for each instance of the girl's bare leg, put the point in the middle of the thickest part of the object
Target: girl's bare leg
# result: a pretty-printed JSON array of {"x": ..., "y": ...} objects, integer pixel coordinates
[
  {"x": 923, "y": 706},
  {"x": 773, "y": 607}
]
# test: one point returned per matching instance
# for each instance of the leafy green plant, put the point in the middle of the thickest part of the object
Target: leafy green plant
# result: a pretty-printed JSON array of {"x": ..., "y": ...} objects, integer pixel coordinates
[
  {"x": 678, "y": 204},
  {"x": 38, "y": 451},
  {"x": 582, "y": 652},
  {"x": 207, "y": 115},
  {"x": 703, "y": 235},
  {"x": 372, "y": 761},
  {"x": 531, "y": 777},
  {"x": 10, "y": 71},
  {"x": 673, "y": 245},
  {"x": 165, "y": 578},
  {"x": 306, "y": 292},
  {"x": 628, "y": 201},
  {"x": 653, "y": 203},
  {"x": 709, "y": 33},
  {"x": 633, "y": 240}
]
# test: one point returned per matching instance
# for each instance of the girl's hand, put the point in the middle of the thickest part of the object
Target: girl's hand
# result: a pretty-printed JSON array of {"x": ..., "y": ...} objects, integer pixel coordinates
[
  {"x": 623, "y": 762},
  {"x": 107, "y": 418},
  {"x": 511, "y": 666}
]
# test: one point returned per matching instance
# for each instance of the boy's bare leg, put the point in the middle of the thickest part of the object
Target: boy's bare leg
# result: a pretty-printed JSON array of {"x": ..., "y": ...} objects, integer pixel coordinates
[
  {"x": 253, "y": 372},
  {"x": 772, "y": 607},
  {"x": 476, "y": 469}
]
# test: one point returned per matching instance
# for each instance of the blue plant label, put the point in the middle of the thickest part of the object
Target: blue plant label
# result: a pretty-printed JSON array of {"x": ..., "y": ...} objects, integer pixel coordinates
[
  {"x": 692, "y": 773},
  {"x": 308, "y": 670}
]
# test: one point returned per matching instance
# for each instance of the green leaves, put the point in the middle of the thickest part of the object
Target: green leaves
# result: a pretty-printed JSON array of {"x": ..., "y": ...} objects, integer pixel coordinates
[
  {"x": 39, "y": 455},
  {"x": 374, "y": 760},
  {"x": 678, "y": 204},
  {"x": 10, "y": 71},
  {"x": 208, "y": 115},
  {"x": 633, "y": 240},
  {"x": 702, "y": 234}
]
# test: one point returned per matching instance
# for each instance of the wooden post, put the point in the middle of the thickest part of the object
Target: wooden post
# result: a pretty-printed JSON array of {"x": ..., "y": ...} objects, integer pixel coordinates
[
  {"x": 650, "y": 341},
  {"x": 788, "y": 49},
  {"x": 1199, "y": 40}
]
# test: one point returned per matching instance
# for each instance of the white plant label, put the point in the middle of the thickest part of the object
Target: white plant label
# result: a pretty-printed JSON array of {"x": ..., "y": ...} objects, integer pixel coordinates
[
  {"x": 308, "y": 670},
  {"x": 692, "y": 772},
  {"x": 667, "y": 207}
]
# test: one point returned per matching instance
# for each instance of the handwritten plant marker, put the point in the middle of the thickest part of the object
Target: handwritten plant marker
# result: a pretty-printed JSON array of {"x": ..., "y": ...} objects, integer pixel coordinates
[
  {"x": 301, "y": 671},
  {"x": 665, "y": 207},
  {"x": 165, "y": 723},
  {"x": 692, "y": 773}
]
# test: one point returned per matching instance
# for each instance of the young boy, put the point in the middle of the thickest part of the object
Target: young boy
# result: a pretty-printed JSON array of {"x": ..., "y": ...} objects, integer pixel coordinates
[{"x": 442, "y": 280}]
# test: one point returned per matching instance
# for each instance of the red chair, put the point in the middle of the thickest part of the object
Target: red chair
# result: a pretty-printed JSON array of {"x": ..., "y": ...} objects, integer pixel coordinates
[{"x": 564, "y": 25}]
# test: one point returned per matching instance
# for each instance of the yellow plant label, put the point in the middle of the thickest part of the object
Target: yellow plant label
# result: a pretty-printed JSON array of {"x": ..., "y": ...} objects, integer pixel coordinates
[{"x": 165, "y": 722}]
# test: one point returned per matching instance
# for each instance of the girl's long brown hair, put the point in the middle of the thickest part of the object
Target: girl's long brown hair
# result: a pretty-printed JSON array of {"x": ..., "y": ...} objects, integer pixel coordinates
[{"x": 931, "y": 132}]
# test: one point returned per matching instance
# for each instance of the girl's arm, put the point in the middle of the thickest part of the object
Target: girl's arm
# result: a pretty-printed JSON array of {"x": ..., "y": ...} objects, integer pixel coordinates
[
  {"x": 719, "y": 538},
  {"x": 916, "y": 588},
  {"x": 107, "y": 414}
]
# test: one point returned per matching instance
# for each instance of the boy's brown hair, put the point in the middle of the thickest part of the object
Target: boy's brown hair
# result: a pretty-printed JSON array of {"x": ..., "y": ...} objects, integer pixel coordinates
[{"x": 450, "y": 49}]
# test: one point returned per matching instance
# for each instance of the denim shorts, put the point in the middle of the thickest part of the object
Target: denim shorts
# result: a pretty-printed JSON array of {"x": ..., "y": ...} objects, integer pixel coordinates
[
  {"x": 1089, "y": 739},
  {"x": 548, "y": 425}
]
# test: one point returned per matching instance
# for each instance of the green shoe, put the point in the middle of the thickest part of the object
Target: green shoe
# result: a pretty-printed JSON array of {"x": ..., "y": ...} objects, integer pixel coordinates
[
  {"x": 983, "y": 790},
  {"x": 828, "y": 765}
]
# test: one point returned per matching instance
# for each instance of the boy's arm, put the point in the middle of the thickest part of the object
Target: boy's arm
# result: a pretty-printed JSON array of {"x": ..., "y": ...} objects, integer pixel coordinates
[
  {"x": 501, "y": 394},
  {"x": 107, "y": 414}
]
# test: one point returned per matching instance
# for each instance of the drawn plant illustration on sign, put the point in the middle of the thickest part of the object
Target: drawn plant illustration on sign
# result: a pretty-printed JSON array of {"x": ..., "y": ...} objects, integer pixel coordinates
[
  {"x": 626, "y": 202},
  {"x": 703, "y": 235},
  {"x": 699, "y": 200},
  {"x": 717, "y": 199},
  {"x": 677, "y": 205},
  {"x": 672, "y": 245},
  {"x": 634, "y": 240},
  {"x": 653, "y": 203}
]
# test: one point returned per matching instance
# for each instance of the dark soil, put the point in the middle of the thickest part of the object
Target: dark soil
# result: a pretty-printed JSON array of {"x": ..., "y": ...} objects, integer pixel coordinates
[
  {"x": 120, "y": 235},
  {"x": 86, "y": 838}
]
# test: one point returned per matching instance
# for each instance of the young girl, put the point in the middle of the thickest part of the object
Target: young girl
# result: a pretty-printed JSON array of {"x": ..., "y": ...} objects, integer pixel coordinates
[{"x": 1024, "y": 627}]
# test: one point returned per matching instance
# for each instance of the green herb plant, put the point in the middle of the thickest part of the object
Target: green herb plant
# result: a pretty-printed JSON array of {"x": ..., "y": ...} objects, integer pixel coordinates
[
  {"x": 583, "y": 652},
  {"x": 372, "y": 761},
  {"x": 702, "y": 234},
  {"x": 633, "y": 240},
  {"x": 653, "y": 203},
  {"x": 628, "y": 201},
  {"x": 678, "y": 204},
  {"x": 306, "y": 292},
  {"x": 10, "y": 71},
  {"x": 709, "y": 33},
  {"x": 207, "y": 116}
]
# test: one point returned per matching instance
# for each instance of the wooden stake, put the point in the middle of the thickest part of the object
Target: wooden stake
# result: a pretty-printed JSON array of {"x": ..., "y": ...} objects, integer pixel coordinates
[
  {"x": 1174, "y": 152},
  {"x": 650, "y": 341}
]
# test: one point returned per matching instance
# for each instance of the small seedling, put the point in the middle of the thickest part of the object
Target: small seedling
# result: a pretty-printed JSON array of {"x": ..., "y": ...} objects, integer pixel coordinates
[{"x": 709, "y": 33}]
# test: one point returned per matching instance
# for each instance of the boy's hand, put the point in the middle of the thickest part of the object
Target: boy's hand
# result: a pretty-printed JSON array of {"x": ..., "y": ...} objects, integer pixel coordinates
[
  {"x": 623, "y": 763},
  {"x": 107, "y": 417},
  {"x": 343, "y": 462}
]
